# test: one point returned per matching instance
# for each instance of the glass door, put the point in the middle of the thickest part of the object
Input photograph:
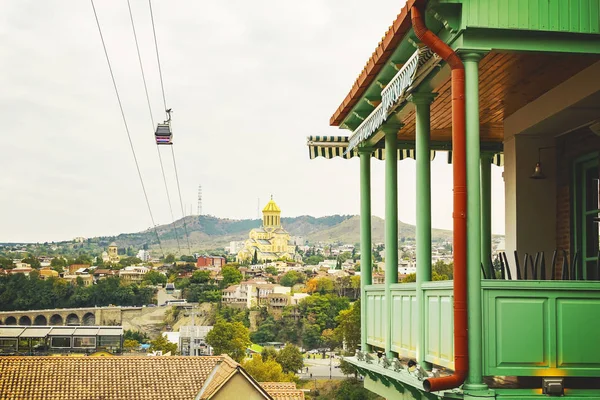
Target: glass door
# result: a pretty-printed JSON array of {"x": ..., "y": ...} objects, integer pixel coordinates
[{"x": 586, "y": 217}]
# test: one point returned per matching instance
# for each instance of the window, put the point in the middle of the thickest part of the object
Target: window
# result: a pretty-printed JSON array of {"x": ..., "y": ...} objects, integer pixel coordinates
[
  {"x": 586, "y": 217},
  {"x": 60, "y": 342},
  {"x": 84, "y": 342},
  {"x": 8, "y": 344}
]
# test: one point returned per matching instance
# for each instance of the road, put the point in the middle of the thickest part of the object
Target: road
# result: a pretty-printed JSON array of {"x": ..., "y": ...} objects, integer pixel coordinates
[{"x": 320, "y": 368}]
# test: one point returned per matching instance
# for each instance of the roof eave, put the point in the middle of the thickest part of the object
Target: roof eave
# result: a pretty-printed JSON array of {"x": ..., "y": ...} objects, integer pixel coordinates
[{"x": 386, "y": 47}]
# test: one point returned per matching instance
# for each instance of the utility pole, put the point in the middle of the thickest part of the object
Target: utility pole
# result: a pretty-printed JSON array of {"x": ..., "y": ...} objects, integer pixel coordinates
[{"x": 199, "y": 199}]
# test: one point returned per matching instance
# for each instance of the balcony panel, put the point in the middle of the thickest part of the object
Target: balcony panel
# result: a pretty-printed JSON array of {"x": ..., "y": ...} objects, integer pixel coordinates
[
  {"x": 541, "y": 328},
  {"x": 405, "y": 322},
  {"x": 376, "y": 315},
  {"x": 439, "y": 323}
]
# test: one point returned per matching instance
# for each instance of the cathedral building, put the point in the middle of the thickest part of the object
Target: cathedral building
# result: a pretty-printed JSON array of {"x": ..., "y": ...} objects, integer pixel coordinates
[{"x": 269, "y": 242}]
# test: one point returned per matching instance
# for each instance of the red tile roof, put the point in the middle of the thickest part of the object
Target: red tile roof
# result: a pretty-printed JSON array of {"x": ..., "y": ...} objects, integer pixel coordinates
[
  {"x": 124, "y": 378},
  {"x": 382, "y": 53}
]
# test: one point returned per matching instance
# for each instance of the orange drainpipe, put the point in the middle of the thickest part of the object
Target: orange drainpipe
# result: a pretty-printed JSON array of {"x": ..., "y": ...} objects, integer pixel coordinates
[{"x": 461, "y": 341}]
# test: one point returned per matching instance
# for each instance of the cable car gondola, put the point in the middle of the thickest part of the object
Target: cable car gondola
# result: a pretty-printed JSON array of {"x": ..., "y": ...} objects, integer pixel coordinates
[{"x": 163, "y": 133}]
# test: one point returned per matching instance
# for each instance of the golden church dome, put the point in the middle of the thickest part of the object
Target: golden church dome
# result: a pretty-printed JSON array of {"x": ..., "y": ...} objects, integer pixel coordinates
[{"x": 271, "y": 206}]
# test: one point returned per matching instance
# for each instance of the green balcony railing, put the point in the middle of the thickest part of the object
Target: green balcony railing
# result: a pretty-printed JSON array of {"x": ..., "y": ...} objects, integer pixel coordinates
[{"x": 530, "y": 328}]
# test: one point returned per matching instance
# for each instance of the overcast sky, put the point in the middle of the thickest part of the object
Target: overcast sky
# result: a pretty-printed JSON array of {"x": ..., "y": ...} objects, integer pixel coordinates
[{"x": 248, "y": 82}]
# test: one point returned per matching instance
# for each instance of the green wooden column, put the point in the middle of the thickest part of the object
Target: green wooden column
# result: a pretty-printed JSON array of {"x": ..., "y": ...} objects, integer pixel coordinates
[
  {"x": 486, "y": 207},
  {"x": 391, "y": 228},
  {"x": 422, "y": 102},
  {"x": 474, "y": 379},
  {"x": 365, "y": 240}
]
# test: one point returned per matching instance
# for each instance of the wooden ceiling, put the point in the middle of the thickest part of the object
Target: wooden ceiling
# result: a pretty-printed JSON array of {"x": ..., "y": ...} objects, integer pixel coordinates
[{"x": 507, "y": 82}]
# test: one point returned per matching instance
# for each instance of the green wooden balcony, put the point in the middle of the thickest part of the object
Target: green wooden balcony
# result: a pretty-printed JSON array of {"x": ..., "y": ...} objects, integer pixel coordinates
[{"x": 530, "y": 328}]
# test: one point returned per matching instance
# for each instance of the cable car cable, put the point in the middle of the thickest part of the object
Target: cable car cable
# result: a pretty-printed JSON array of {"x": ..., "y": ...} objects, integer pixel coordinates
[
  {"x": 180, "y": 202},
  {"x": 126, "y": 126},
  {"x": 162, "y": 86},
  {"x": 152, "y": 121}
]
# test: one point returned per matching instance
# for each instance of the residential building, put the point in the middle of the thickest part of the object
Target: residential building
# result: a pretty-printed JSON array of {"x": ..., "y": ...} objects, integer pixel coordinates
[
  {"x": 74, "y": 267},
  {"x": 251, "y": 293},
  {"x": 210, "y": 261},
  {"x": 103, "y": 273},
  {"x": 236, "y": 246},
  {"x": 21, "y": 270},
  {"x": 133, "y": 274},
  {"x": 47, "y": 272},
  {"x": 144, "y": 255},
  {"x": 87, "y": 279},
  {"x": 269, "y": 242},
  {"x": 148, "y": 378}
]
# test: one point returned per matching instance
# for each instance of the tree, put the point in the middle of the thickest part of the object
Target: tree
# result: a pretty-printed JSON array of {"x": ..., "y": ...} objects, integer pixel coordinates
[
  {"x": 130, "y": 344},
  {"x": 154, "y": 278},
  {"x": 291, "y": 278},
  {"x": 255, "y": 257},
  {"x": 290, "y": 358},
  {"x": 314, "y": 260},
  {"x": 348, "y": 329},
  {"x": 200, "y": 277},
  {"x": 230, "y": 338},
  {"x": 271, "y": 270},
  {"x": 33, "y": 261},
  {"x": 6, "y": 263},
  {"x": 231, "y": 276},
  {"x": 443, "y": 269},
  {"x": 266, "y": 371},
  {"x": 348, "y": 369},
  {"x": 162, "y": 344},
  {"x": 330, "y": 339},
  {"x": 311, "y": 337},
  {"x": 266, "y": 331},
  {"x": 138, "y": 336},
  {"x": 58, "y": 263},
  {"x": 127, "y": 261},
  {"x": 170, "y": 259},
  {"x": 268, "y": 353}
]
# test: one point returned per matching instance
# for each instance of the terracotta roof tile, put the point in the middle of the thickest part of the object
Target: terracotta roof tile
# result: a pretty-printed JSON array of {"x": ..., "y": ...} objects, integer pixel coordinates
[
  {"x": 107, "y": 378},
  {"x": 123, "y": 378},
  {"x": 380, "y": 56}
]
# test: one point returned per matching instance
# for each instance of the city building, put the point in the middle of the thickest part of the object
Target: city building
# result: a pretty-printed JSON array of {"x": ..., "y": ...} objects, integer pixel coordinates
[
  {"x": 86, "y": 279},
  {"x": 210, "y": 261},
  {"x": 497, "y": 83},
  {"x": 133, "y": 274},
  {"x": 44, "y": 340},
  {"x": 47, "y": 272},
  {"x": 235, "y": 246},
  {"x": 144, "y": 255},
  {"x": 270, "y": 242},
  {"x": 251, "y": 293},
  {"x": 137, "y": 377}
]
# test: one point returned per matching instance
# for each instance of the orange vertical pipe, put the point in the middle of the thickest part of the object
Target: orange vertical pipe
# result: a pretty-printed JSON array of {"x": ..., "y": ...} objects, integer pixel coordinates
[{"x": 459, "y": 167}]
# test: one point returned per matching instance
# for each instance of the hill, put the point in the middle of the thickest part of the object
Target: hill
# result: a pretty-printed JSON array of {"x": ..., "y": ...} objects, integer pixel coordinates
[{"x": 208, "y": 232}]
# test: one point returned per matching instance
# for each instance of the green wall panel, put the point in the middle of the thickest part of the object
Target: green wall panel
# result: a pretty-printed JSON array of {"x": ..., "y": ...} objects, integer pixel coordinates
[
  {"x": 576, "y": 16},
  {"x": 405, "y": 322},
  {"x": 578, "y": 336},
  {"x": 541, "y": 328},
  {"x": 439, "y": 322},
  {"x": 376, "y": 316},
  {"x": 519, "y": 344}
]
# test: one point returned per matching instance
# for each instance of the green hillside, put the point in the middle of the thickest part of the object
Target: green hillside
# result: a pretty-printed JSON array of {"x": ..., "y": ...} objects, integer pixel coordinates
[{"x": 207, "y": 232}]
